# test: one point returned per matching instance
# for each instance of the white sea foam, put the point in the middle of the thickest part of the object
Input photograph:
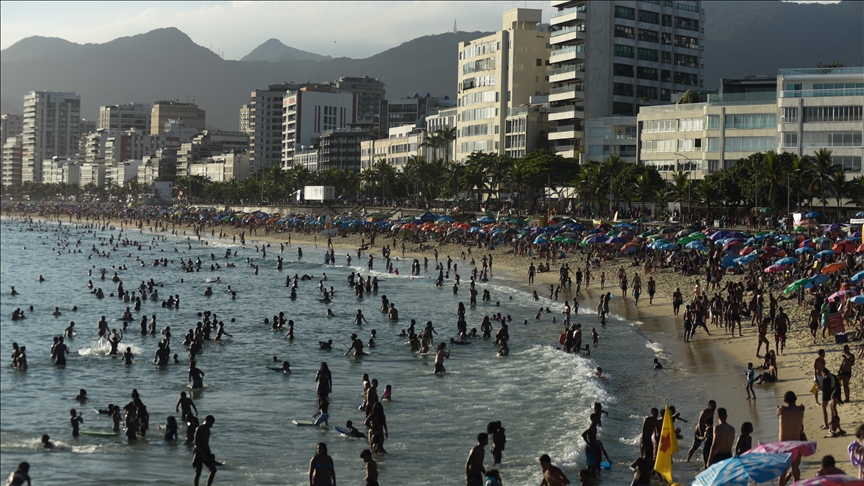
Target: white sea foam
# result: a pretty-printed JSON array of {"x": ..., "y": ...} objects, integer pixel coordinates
[{"x": 103, "y": 348}]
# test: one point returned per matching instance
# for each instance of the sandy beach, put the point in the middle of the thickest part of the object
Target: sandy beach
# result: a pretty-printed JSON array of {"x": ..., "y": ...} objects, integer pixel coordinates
[{"x": 719, "y": 358}]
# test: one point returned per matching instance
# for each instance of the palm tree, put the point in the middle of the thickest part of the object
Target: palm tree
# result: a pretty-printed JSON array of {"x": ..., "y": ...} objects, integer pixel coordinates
[
  {"x": 840, "y": 187},
  {"x": 498, "y": 172},
  {"x": 800, "y": 170},
  {"x": 822, "y": 172},
  {"x": 432, "y": 141},
  {"x": 474, "y": 178},
  {"x": 446, "y": 135},
  {"x": 773, "y": 170},
  {"x": 661, "y": 195},
  {"x": 680, "y": 185}
]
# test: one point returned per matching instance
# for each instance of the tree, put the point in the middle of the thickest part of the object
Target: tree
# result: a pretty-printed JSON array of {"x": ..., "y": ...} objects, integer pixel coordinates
[
  {"x": 840, "y": 187},
  {"x": 822, "y": 172},
  {"x": 446, "y": 135}
]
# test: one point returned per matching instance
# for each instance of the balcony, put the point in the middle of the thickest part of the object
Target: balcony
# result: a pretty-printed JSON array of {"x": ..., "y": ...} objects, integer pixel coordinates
[
  {"x": 568, "y": 15},
  {"x": 572, "y": 92},
  {"x": 556, "y": 3},
  {"x": 567, "y": 151},
  {"x": 566, "y": 112},
  {"x": 564, "y": 132},
  {"x": 569, "y": 53},
  {"x": 567, "y": 34},
  {"x": 568, "y": 72}
]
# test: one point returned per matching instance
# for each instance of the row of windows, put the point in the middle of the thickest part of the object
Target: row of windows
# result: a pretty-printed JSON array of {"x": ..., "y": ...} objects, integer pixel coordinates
[
  {"x": 478, "y": 97},
  {"x": 622, "y": 150},
  {"x": 749, "y": 144},
  {"x": 832, "y": 113},
  {"x": 607, "y": 133},
  {"x": 487, "y": 47},
  {"x": 849, "y": 162},
  {"x": 831, "y": 139},
  {"x": 689, "y": 124},
  {"x": 649, "y": 146},
  {"x": 752, "y": 121},
  {"x": 486, "y": 64},
  {"x": 470, "y": 83},
  {"x": 478, "y": 114},
  {"x": 478, "y": 146},
  {"x": 654, "y": 126},
  {"x": 474, "y": 130}
]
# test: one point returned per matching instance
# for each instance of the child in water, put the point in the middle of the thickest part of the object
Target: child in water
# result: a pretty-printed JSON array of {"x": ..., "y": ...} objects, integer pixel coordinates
[
  {"x": 171, "y": 428},
  {"x": 388, "y": 391}
]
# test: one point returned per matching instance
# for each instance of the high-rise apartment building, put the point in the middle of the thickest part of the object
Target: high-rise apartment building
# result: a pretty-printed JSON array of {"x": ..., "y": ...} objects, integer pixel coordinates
[
  {"x": 126, "y": 116},
  {"x": 369, "y": 91},
  {"x": 10, "y": 164},
  {"x": 265, "y": 125},
  {"x": 163, "y": 111},
  {"x": 496, "y": 73},
  {"x": 245, "y": 114},
  {"x": 404, "y": 111},
  {"x": 611, "y": 57},
  {"x": 310, "y": 111},
  {"x": 10, "y": 126},
  {"x": 51, "y": 129}
]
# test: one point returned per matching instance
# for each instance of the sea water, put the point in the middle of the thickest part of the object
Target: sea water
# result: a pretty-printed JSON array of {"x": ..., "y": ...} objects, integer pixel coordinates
[{"x": 541, "y": 395}]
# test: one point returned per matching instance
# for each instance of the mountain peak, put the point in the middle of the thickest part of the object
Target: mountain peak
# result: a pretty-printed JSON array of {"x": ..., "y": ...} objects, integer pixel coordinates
[{"x": 274, "y": 50}]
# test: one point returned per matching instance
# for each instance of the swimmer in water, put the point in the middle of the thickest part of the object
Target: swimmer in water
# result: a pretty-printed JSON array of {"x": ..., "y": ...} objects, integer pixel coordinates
[
  {"x": 46, "y": 442},
  {"x": 328, "y": 345}
]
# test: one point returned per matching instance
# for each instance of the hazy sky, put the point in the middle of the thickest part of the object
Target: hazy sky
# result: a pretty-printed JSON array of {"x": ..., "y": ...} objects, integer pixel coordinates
[{"x": 353, "y": 29}]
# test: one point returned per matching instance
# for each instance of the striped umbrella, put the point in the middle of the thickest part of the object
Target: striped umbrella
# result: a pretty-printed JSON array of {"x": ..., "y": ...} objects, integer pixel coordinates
[
  {"x": 794, "y": 447},
  {"x": 741, "y": 470},
  {"x": 830, "y": 480}
]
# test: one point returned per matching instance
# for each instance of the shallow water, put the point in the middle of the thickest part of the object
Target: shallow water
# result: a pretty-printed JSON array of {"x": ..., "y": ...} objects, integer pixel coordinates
[{"x": 541, "y": 395}]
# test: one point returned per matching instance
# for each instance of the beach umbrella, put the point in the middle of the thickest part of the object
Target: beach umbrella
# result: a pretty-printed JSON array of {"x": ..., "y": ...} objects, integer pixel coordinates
[
  {"x": 683, "y": 233},
  {"x": 832, "y": 227},
  {"x": 540, "y": 240},
  {"x": 844, "y": 246},
  {"x": 796, "y": 285},
  {"x": 766, "y": 210},
  {"x": 596, "y": 231},
  {"x": 569, "y": 240},
  {"x": 719, "y": 235},
  {"x": 858, "y": 299},
  {"x": 794, "y": 447},
  {"x": 746, "y": 250},
  {"x": 740, "y": 470},
  {"x": 694, "y": 245},
  {"x": 596, "y": 240},
  {"x": 775, "y": 269},
  {"x": 825, "y": 253},
  {"x": 834, "y": 267},
  {"x": 747, "y": 259},
  {"x": 668, "y": 247},
  {"x": 736, "y": 235},
  {"x": 786, "y": 261},
  {"x": 732, "y": 244},
  {"x": 830, "y": 480},
  {"x": 812, "y": 214},
  {"x": 860, "y": 214},
  {"x": 857, "y": 277},
  {"x": 860, "y": 248},
  {"x": 804, "y": 249},
  {"x": 816, "y": 281},
  {"x": 839, "y": 295}
]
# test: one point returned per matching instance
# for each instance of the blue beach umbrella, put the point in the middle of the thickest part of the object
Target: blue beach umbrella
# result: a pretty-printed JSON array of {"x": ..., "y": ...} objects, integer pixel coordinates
[
  {"x": 857, "y": 277},
  {"x": 825, "y": 253},
  {"x": 804, "y": 249},
  {"x": 786, "y": 261},
  {"x": 540, "y": 240},
  {"x": 740, "y": 470},
  {"x": 812, "y": 214},
  {"x": 858, "y": 299},
  {"x": 817, "y": 280}
]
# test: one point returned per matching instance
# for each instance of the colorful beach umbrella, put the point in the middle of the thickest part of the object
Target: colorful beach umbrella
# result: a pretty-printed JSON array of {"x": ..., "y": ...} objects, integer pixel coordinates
[
  {"x": 858, "y": 299},
  {"x": 844, "y": 246},
  {"x": 775, "y": 269},
  {"x": 796, "y": 285},
  {"x": 834, "y": 267},
  {"x": 794, "y": 447},
  {"x": 830, "y": 480},
  {"x": 739, "y": 471},
  {"x": 812, "y": 214}
]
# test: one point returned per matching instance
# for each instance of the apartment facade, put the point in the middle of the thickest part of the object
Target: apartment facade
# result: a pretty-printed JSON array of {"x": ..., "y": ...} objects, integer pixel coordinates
[
  {"x": 403, "y": 143},
  {"x": 222, "y": 168},
  {"x": 10, "y": 126},
  {"x": 310, "y": 111},
  {"x": 370, "y": 92},
  {"x": 125, "y": 116},
  {"x": 245, "y": 118},
  {"x": 163, "y": 111},
  {"x": 12, "y": 158},
  {"x": 811, "y": 109},
  {"x": 50, "y": 129},
  {"x": 404, "y": 111},
  {"x": 611, "y": 58},
  {"x": 525, "y": 129},
  {"x": 496, "y": 73},
  {"x": 340, "y": 149},
  {"x": 611, "y": 135},
  {"x": 265, "y": 125}
]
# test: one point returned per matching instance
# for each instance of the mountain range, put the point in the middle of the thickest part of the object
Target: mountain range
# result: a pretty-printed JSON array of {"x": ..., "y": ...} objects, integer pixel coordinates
[{"x": 741, "y": 38}]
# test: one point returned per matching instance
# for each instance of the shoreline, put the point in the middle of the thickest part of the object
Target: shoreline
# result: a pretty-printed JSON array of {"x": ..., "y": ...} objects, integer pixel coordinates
[{"x": 718, "y": 358}]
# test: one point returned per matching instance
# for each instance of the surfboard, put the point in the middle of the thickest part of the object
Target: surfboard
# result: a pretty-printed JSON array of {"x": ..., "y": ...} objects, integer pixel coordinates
[
  {"x": 342, "y": 430},
  {"x": 103, "y": 411},
  {"x": 300, "y": 423},
  {"x": 99, "y": 433}
]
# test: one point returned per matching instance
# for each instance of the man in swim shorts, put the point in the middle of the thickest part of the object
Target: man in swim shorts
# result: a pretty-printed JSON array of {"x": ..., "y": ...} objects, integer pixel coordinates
[
  {"x": 474, "y": 470},
  {"x": 202, "y": 456}
]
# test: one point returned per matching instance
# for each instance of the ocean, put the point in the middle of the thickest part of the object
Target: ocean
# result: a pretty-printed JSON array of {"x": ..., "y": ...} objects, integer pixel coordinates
[{"x": 541, "y": 395}]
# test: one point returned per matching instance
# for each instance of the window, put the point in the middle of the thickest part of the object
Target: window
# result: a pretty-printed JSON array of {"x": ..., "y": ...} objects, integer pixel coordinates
[
  {"x": 832, "y": 139},
  {"x": 790, "y": 115},
  {"x": 649, "y": 17},
  {"x": 625, "y": 13},
  {"x": 478, "y": 97},
  {"x": 686, "y": 24},
  {"x": 621, "y": 89},
  {"x": 600, "y": 132},
  {"x": 687, "y": 79},
  {"x": 625, "y": 70},
  {"x": 649, "y": 92},
  {"x": 689, "y": 144},
  {"x": 749, "y": 144},
  {"x": 687, "y": 42},
  {"x": 713, "y": 144},
  {"x": 649, "y": 36},
  {"x": 768, "y": 120},
  {"x": 832, "y": 113},
  {"x": 666, "y": 39},
  {"x": 646, "y": 73},
  {"x": 649, "y": 146},
  {"x": 685, "y": 60},
  {"x": 666, "y": 76},
  {"x": 647, "y": 54},
  {"x": 624, "y": 109},
  {"x": 665, "y": 94},
  {"x": 689, "y": 124},
  {"x": 479, "y": 65},
  {"x": 713, "y": 122},
  {"x": 661, "y": 165},
  {"x": 713, "y": 165},
  {"x": 852, "y": 163},
  {"x": 790, "y": 139},
  {"x": 690, "y": 165},
  {"x": 666, "y": 58},
  {"x": 623, "y": 31},
  {"x": 654, "y": 126},
  {"x": 667, "y": 20},
  {"x": 687, "y": 7},
  {"x": 624, "y": 51}
]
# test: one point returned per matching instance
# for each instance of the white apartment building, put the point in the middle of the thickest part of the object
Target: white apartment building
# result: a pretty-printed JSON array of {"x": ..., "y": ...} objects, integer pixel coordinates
[
  {"x": 61, "y": 170},
  {"x": 816, "y": 108},
  {"x": 50, "y": 129},
  {"x": 496, "y": 73},
  {"x": 163, "y": 111},
  {"x": 93, "y": 172},
  {"x": 222, "y": 168},
  {"x": 132, "y": 144},
  {"x": 611, "y": 135},
  {"x": 120, "y": 173},
  {"x": 125, "y": 116},
  {"x": 402, "y": 143},
  {"x": 245, "y": 115},
  {"x": 95, "y": 143},
  {"x": 264, "y": 125},
  {"x": 10, "y": 126},
  {"x": 308, "y": 112},
  {"x": 611, "y": 57},
  {"x": 10, "y": 164}
]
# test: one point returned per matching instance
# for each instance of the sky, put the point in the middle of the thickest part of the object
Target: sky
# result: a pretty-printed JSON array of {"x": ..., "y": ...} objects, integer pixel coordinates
[{"x": 353, "y": 29}]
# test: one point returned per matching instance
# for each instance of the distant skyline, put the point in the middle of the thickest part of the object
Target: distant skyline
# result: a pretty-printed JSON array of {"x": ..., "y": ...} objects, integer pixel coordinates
[{"x": 350, "y": 29}]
